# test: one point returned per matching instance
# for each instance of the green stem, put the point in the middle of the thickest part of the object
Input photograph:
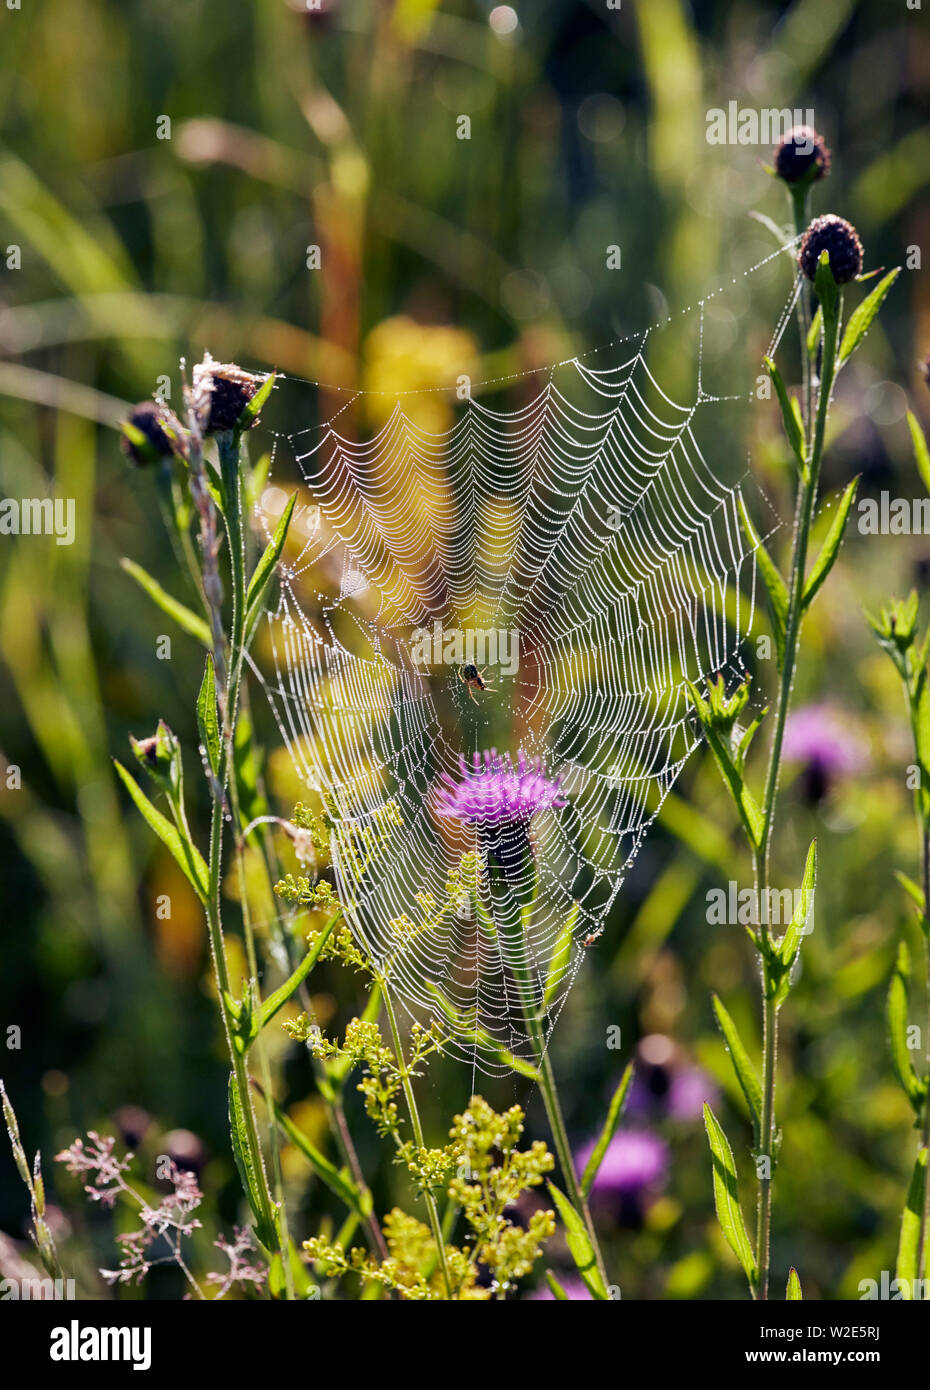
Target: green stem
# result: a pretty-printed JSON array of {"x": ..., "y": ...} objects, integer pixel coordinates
[
  {"x": 795, "y": 616},
  {"x": 213, "y": 593},
  {"x": 547, "y": 1082},
  {"x": 925, "y": 1132},
  {"x": 416, "y": 1126},
  {"x": 800, "y": 198},
  {"x": 767, "y": 1129}
]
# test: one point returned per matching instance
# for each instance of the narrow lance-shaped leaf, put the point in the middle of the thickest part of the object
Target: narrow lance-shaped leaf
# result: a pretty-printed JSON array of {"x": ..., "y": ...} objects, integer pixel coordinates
[
  {"x": 726, "y": 1196},
  {"x": 207, "y": 718},
  {"x": 561, "y": 956},
  {"x": 793, "y": 1291},
  {"x": 579, "y": 1245},
  {"x": 614, "y": 1112},
  {"x": 828, "y": 292},
  {"x": 558, "y": 1292},
  {"x": 913, "y": 890},
  {"x": 481, "y": 1036},
  {"x": 775, "y": 586},
  {"x": 745, "y": 1071},
  {"x": 797, "y": 927},
  {"x": 862, "y": 318},
  {"x": 793, "y": 431},
  {"x": 921, "y": 449},
  {"x": 831, "y": 545},
  {"x": 908, "y": 1266},
  {"x": 279, "y": 998},
  {"x": 337, "y": 1180},
  {"x": 181, "y": 614},
  {"x": 814, "y": 332},
  {"x": 901, "y": 1057},
  {"x": 252, "y": 409},
  {"x": 251, "y": 1179},
  {"x": 184, "y": 851},
  {"x": 747, "y": 805},
  {"x": 266, "y": 567}
]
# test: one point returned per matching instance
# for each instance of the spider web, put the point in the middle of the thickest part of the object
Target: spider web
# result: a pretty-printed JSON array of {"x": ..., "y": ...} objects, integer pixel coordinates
[{"x": 590, "y": 522}]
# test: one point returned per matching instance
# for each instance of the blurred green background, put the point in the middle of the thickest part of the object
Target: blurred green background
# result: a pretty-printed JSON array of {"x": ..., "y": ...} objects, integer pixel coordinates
[{"x": 336, "y": 128}]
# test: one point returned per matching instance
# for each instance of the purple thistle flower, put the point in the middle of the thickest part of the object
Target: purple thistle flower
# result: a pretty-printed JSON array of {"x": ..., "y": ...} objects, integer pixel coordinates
[
  {"x": 821, "y": 739},
  {"x": 493, "y": 792},
  {"x": 500, "y": 800},
  {"x": 635, "y": 1159},
  {"x": 636, "y": 1162},
  {"x": 575, "y": 1291}
]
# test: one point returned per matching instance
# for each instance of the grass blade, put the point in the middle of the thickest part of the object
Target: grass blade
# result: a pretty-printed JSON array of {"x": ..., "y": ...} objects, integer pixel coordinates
[
  {"x": 579, "y": 1244},
  {"x": 726, "y": 1196},
  {"x": 749, "y": 1082},
  {"x": 617, "y": 1103},
  {"x": 181, "y": 614}
]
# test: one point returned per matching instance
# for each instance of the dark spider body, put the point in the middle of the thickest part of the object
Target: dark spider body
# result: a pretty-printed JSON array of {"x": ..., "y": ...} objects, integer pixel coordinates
[{"x": 473, "y": 680}]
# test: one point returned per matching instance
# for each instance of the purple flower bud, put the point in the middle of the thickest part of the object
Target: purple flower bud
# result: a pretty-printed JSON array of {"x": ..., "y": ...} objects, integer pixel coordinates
[
  {"x": 841, "y": 242},
  {"x": 152, "y": 432},
  {"x": 801, "y": 153}
]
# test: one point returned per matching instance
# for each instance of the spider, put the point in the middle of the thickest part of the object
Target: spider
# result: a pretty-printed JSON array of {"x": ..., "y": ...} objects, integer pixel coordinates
[
  {"x": 473, "y": 680},
  {"x": 592, "y": 937}
]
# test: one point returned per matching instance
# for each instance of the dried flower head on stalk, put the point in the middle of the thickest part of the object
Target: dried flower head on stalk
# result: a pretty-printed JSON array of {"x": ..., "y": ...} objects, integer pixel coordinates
[
  {"x": 151, "y": 432},
  {"x": 801, "y": 153},
  {"x": 840, "y": 240},
  {"x": 223, "y": 393}
]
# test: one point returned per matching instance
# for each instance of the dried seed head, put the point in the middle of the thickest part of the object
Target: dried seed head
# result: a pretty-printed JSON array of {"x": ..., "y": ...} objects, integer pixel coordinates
[
  {"x": 841, "y": 242},
  {"x": 152, "y": 432},
  {"x": 222, "y": 391},
  {"x": 802, "y": 152}
]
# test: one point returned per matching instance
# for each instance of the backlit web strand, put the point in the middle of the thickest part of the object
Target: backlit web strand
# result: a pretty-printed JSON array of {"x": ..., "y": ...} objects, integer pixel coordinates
[{"x": 588, "y": 522}]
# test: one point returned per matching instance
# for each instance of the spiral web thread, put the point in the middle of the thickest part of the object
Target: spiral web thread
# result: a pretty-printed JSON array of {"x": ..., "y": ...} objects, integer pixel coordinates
[{"x": 589, "y": 521}]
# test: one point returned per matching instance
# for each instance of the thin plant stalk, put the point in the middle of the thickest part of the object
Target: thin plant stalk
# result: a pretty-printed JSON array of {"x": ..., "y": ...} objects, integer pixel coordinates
[
  {"x": 816, "y": 433},
  {"x": 213, "y": 594},
  {"x": 417, "y": 1127},
  {"x": 925, "y": 1132},
  {"x": 546, "y": 1075}
]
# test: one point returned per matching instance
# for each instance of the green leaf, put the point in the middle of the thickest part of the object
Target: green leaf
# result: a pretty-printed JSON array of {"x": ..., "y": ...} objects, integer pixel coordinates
[
  {"x": 184, "y": 851},
  {"x": 253, "y": 409},
  {"x": 775, "y": 586},
  {"x": 561, "y": 956},
  {"x": 181, "y": 614},
  {"x": 726, "y": 1196},
  {"x": 579, "y": 1245},
  {"x": 279, "y": 998},
  {"x": 747, "y": 805},
  {"x": 814, "y": 332},
  {"x": 745, "y": 1071},
  {"x": 207, "y": 719},
  {"x": 337, "y": 1180},
  {"x": 782, "y": 235},
  {"x": 251, "y": 1179},
  {"x": 793, "y": 1292},
  {"x": 908, "y": 1266},
  {"x": 557, "y": 1291},
  {"x": 921, "y": 450},
  {"x": 901, "y": 1057},
  {"x": 791, "y": 941},
  {"x": 483, "y": 1039},
  {"x": 789, "y": 414},
  {"x": 828, "y": 292},
  {"x": 913, "y": 890},
  {"x": 614, "y": 1112},
  {"x": 861, "y": 319},
  {"x": 265, "y": 568},
  {"x": 831, "y": 545}
]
